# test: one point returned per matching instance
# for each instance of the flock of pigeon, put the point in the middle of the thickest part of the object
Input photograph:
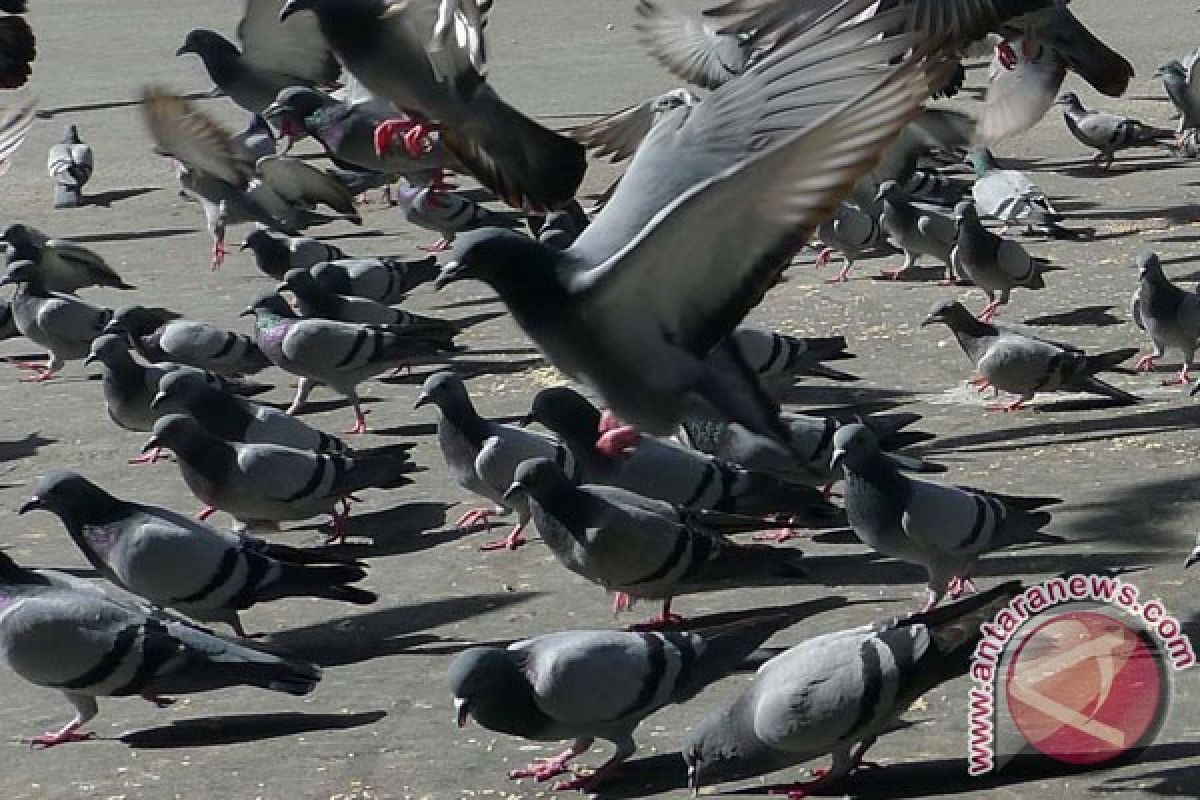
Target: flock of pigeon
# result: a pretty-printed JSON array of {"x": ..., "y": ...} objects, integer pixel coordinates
[{"x": 820, "y": 125}]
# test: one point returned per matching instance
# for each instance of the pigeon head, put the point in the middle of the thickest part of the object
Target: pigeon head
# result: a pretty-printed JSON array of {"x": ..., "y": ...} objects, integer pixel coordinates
[
  {"x": 300, "y": 281},
  {"x": 1068, "y": 100},
  {"x": 207, "y": 44},
  {"x": 444, "y": 389},
  {"x": 71, "y": 134},
  {"x": 177, "y": 389},
  {"x": 566, "y": 412},
  {"x": 173, "y": 431},
  {"x": 521, "y": 270},
  {"x": 889, "y": 190},
  {"x": 20, "y": 272},
  {"x": 951, "y": 313},
  {"x": 297, "y": 102},
  {"x": 20, "y": 242},
  {"x": 672, "y": 99},
  {"x": 725, "y": 748},
  {"x": 108, "y": 348},
  {"x": 1149, "y": 265},
  {"x": 71, "y": 497},
  {"x": 541, "y": 479},
  {"x": 488, "y": 684},
  {"x": 853, "y": 445},
  {"x": 135, "y": 321},
  {"x": 269, "y": 304},
  {"x": 1172, "y": 71}
]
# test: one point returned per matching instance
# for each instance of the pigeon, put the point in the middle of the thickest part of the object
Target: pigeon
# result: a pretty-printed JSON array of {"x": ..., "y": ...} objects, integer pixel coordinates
[
  {"x": 315, "y": 301},
  {"x": 257, "y": 140},
  {"x": 385, "y": 279},
  {"x": 64, "y": 265},
  {"x": 161, "y": 335},
  {"x": 274, "y": 254},
  {"x": 994, "y": 264},
  {"x": 269, "y": 483},
  {"x": 559, "y": 229},
  {"x": 174, "y": 562},
  {"x": 667, "y": 472},
  {"x": 62, "y": 323},
  {"x": 660, "y": 277},
  {"x": 640, "y": 548},
  {"x": 14, "y": 124},
  {"x": 1108, "y": 133},
  {"x": 70, "y": 166},
  {"x": 1080, "y": 51},
  {"x": 1183, "y": 90},
  {"x": 944, "y": 529},
  {"x": 915, "y": 232},
  {"x": 129, "y": 386},
  {"x": 1024, "y": 79},
  {"x": 587, "y": 685},
  {"x": 18, "y": 46},
  {"x": 340, "y": 355},
  {"x": 780, "y": 358},
  {"x": 851, "y": 232},
  {"x": 692, "y": 49},
  {"x": 617, "y": 136},
  {"x": 836, "y": 693},
  {"x": 482, "y": 456},
  {"x": 1169, "y": 314},
  {"x": 64, "y": 633},
  {"x": 275, "y": 54},
  {"x": 1010, "y": 196},
  {"x": 1024, "y": 364},
  {"x": 446, "y": 214},
  {"x": 523, "y": 163},
  {"x": 236, "y": 419}
]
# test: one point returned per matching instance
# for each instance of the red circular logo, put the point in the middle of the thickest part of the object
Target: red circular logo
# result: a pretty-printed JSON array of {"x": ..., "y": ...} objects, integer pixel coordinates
[{"x": 1085, "y": 688}]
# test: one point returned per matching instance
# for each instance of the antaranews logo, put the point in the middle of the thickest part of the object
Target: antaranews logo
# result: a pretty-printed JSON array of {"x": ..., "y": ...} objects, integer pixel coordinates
[{"x": 1075, "y": 668}]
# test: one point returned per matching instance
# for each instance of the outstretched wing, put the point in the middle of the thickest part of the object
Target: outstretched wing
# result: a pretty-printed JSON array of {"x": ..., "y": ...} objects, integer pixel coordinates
[
  {"x": 187, "y": 134},
  {"x": 293, "y": 47}
]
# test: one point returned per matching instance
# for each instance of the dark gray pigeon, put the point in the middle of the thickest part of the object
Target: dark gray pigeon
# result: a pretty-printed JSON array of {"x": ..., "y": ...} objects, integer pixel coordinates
[
  {"x": 836, "y": 693},
  {"x": 1023, "y": 364},
  {"x": 64, "y": 265},
  {"x": 588, "y": 685},
  {"x": 64, "y": 633},
  {"x": 944, "y": 529},
  {"x": 315, "y": 301},
  {"x": 1108, "y": 133},
  {"x": 70, "y": 164},
  {"x": 482, "y": 456},
  {"x": 711, "y": 210},
  {"x": 339, "y": 355},
  {"x": 161, "y": 335},
  {"x": 617, "y": 136},
  {"x": 175, "y": 562},
  {"x": 994, "y": 264},
  {"x": 780, "y": 358},
  {"x": 1169, "y": 314},
  {"x": 61, "y": 323},
  {"x": 385, "y": 280},
  {"x": 914, "y": 231},
  {"x": 640, "y": 548},
  {"x": 275, "y": 254},
  {"x": 269, "y": 483}
]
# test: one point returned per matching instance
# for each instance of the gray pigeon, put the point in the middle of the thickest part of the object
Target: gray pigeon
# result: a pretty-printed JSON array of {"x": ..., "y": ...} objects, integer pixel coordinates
[
  {"x": 617, "y": 136},
  {"x": 588, "y": 685},
  {"x": 447, "y": 214},
  {"x": 1010, "y": 196},
  {"x": 236, "y": 419},
  {"x": 61, "y": 323},
  {"x": 1024, "y": 79},
  {"x": 275, "y": 254},
  {"x": 339, "y": 355},
  {"x": 915, "y": 232},
  {"x": 851, "y": 232},
  {"x": 64, "y": 265},
  {"x": 687, "y": 246},
  {"x": 640, "y": 548},
  {"x": 269, "y": 483},
  {"x": 1183, "y": 88},
  {"x": 1108, "y": 133},
  {"x": 64, "y": 633},
  {"x": 944, "y": 529},
  {"x": 314, "y": 300},
  {"x": 70, "y": 165},
  {"x": 175, "y": 562},
  {"x": 1169, "y": 314},
  {"x": 385, "y": 280},
  {"x": 994, "y": 264},
  {"x": 836, "y": 693},
  {"x": 161, "y": 335},
  {"x": 1023, "y": 364},
  {"x": 482, "y": 456},
  {"x": 693, "y": 49},
  {"x": 780, "y": 358}
]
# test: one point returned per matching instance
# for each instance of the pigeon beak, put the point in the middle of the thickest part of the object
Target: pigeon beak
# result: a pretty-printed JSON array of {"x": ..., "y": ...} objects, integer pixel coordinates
[
  {"x": 244, "y": 246},
  {"x": 183, "y": 50},
  {"x": 150, "y": 444},
  {"x": 247, "y": 312},
  {"x": 513, "y": 490},
  {"x": 527, "y": 420},
  {"x": 35, "y": 502},
  {"x": 932, "y": 318},
  {"x": 90, "y": 359},
  {"x": 462, "y": 710},
  {"x": 836, "y": 460},
  {"x": 423, "y": 400}
]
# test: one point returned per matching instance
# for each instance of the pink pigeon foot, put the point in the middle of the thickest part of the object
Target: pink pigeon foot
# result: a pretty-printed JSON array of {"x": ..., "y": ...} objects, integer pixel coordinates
[
  {"x": 1181, "y": 379},
  {"x": 35, "y": 365},
  {"x": 440, "y": 246},
  {"x": 337, "y": 534},
  {"x": 218, "y": 254},
  {"x": 894, "y": 274},
  {"x": 1145, "y": 363},
  {"x": 476, "y": 516},
  {"x": 842, "y": 276},
  {"x": 514, "y": 540},
  {"x": 414, "y": 135},
  {"x": 665, "y": 619},
  {"x": 360, "y": 424},
  {"x": 615, "y": 442},
  {"x": 800, "y": 791},
  {"x": 587, "y": 783},
  {"x": 545, "y": 768},
  {"x": 776, "y": 536},
  {"x": 65, "y": 736},
  {"x": 1015, "y": 405},
  {"x": 823, "y": 257},
  {"x": 621, "y": 602},
  {"x": 960, "y": 586},
  {"x": 205, "y": 513},
  {"x": 951, "y": 281},
  {"x": 1006, "y": 55},
  {"x": 42, "y": 376},
  {"x": 148, "y": 458}
]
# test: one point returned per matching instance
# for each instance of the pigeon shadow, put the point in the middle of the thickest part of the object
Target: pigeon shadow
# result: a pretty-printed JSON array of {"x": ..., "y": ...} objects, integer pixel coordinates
[
  {"x": 1144, "y": 514},
  {"x": 1170, "y": 782},
  {"x": 241, "y": 728},
  {"x": 47, "y": 113},
  {"x": 407, "y": 528},
  {"x": 127, "y": 236},
  {"x": 415, "y": 429},
  {"x": 477, "y": 301},
  {"x": 106, "y": 199},
  {"x": 915, "y": 274},
  {"x": 333, "y": 404},
  {"x": 841, "y": 394},
  {"x": 24, "y": 447},
  {"x": 470, "y": 368},
  {"x": 1097, "y": 316},
  {"x": 373, "y": 233}
]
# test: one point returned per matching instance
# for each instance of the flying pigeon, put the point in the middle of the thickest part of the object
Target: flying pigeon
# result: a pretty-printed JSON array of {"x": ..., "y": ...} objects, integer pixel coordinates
[
  {"x": 64, "y": 265},
  {"x": 915, "y": 232},
  {"x": 944, "y": 529},
  {"x": 691, "y": 48},
  {"x": 161, "y": 335},
  {"x": 617, "y": 136},
  {"x": 275, "y": 254},
  {"x": 1010, "y": 196},
  {"x": 64, "y": 633},
  {"x": 175, "y": 562},
  {"x": 1108, "y": 133},
  {"x": 1169, "y": 314},
  {"x": 1025, "y": 76},
  {"x": 18, "y": 48},
  {"x": 994, "y": 264},
  {"x": 70, "y": 164},
  {"x": 384, "y": 279}
]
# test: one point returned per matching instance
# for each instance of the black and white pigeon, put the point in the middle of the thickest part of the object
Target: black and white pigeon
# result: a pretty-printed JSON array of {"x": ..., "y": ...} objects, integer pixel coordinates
[
  {"x": 851, "y": 232},
  {"x": 588, "y": 685},
  {"x": 384, "y": 46},
  {"x": 384, "y": 279},
  {"x": 943, "y": 528},
  {"x": 1107, "y": 133},
  {"x": 269, "y": 483},
  {"x": 175, "y": 562},
  {"x": 1170, "y": 315},
  {"x": 275, "y": 54},
  {"x": 638, "y": 548},
  {"x": 340, "y": 355},
  {"x": 158, "y": 334},
  {"x": 18, "y": 46},
  {"x": 65, "y": 633},
  {"x": 275, "y": 254},
  {"x": 70, "y": 164},
  {"x": 780, "y": 358},
  {"x": 1018, "y": 362},
  {"x": 482, "y": 456},
  {"x": 711, "y": 210},
  {"x": 15, "y": 124},
  {"x": 836, "y": 693},
  {"x": 64, "y": 265},
  {"x": 1011, "y": 197},
  {"x": 236, "y": 419},
  {"x": 315, "y": 301},
  {"x": 994, "y": 264},
  {"x": 59, "y": 322},
  {"x": 914, "y": 231}
]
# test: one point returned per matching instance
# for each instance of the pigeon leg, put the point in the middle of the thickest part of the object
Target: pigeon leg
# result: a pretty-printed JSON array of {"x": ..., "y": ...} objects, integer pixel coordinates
[
  {"x": 85, "y": 710},
  {"x": 1015, "y": 405},
  {"x": 667, "y": 619},
  {"x": 477, "y": 515},
  {"x": 894, "y": 274},
  {"x": 588, "y": 783},
  {"x": 842, "y": 764},
  {"x": 932, "y": 598},
  {"x": 44, "y": 374},
  {"x": 546, "y": 768},
  {"x": 440, "y": 246},
  {"x": 1181, "y": 379},
  {"x": 1146, "y": 362},
  {"x": 360, "y": 421},
  {"x": 205, "y": 513},
  {"x": 1006, "y": 55},
  {"x": 415, "y": 136},
  {"x": 823, "y": 257},
  {"x": 844, "y": 273},
  {"x": 621, "y": 602},
  {"x": 148, "y": 458},
  {"x": 989, "y": 311},
  {"x": 511, "y": 542},
  {"x": 37, "y": 365},
  {"x": 959, "y": 586},
  {"x": 218, "y": 251}
]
